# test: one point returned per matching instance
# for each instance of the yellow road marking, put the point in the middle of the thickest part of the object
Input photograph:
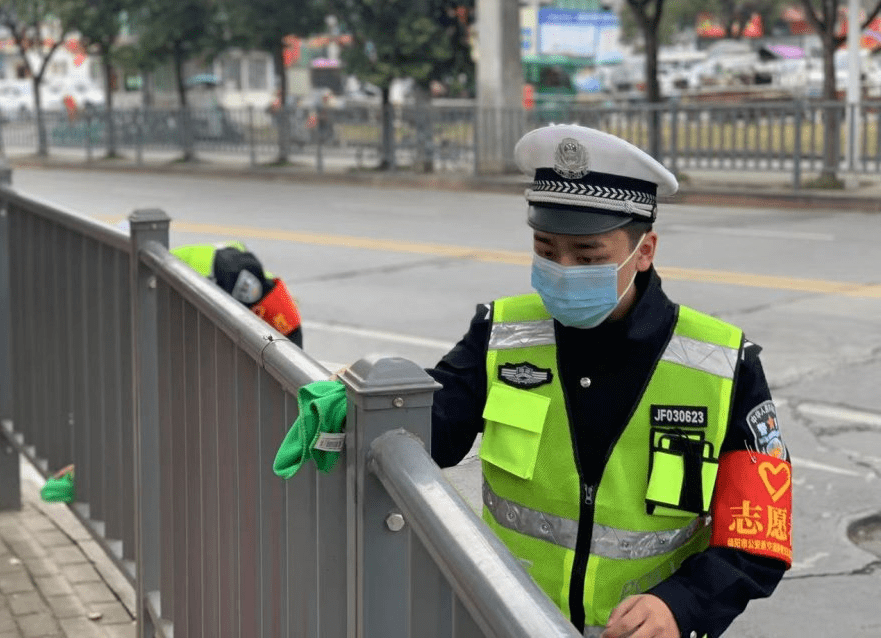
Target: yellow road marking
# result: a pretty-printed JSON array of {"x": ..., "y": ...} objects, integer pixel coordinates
[{"x": 820, "y": 286}]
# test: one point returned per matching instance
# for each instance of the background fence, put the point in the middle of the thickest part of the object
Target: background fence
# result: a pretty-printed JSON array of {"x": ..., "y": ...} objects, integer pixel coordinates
[
  {"x": 171, "y": 399},
  {"x": 786, "y": 137}
]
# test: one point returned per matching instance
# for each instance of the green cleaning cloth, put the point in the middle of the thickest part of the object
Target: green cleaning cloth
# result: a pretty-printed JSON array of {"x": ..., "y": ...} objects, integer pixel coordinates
[
  {"x": 318, "y": 431},
  {"x": 59, "y": 487}
]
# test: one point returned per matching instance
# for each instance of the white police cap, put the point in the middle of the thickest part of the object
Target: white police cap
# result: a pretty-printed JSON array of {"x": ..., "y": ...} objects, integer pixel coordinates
[{"x": 588, "y": 182}]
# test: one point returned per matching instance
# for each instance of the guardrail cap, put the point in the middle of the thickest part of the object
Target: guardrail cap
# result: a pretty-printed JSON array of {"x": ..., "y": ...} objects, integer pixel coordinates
[{"x": 380, "y": 374}]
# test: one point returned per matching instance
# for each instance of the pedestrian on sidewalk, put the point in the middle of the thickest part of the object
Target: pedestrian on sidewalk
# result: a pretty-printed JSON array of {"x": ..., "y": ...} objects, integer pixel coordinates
[{"x": 631, "y": 455}]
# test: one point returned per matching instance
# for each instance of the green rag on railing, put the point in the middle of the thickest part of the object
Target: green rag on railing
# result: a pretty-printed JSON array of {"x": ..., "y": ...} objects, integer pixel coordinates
[
  {"x": 60, "y": 487},
  {"x": 317, "y": 432}
]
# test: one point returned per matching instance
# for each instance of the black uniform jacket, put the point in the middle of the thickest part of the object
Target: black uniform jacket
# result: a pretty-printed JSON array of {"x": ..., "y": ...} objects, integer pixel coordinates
[{"x": 711, "y": 588}]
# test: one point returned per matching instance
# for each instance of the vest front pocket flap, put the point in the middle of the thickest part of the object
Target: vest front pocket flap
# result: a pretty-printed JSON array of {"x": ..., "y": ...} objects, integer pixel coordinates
[
  {"x": 512, "y": 432},
  {"x": 520, "y": 408}
]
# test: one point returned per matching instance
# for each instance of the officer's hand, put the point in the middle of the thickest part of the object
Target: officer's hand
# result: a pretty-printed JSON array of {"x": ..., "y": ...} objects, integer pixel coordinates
[{"x": 643, "y": 616}]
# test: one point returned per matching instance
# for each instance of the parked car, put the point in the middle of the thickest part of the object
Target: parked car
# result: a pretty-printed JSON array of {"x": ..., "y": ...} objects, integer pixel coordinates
[
  {"x": 16, "y": 98},
  {"x": 53, "y": 94},
  {"x": 86, "y": 94}
]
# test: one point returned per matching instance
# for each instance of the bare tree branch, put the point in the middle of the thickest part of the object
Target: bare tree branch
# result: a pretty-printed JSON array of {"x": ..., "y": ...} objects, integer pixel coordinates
[
  {"x": 872, "y": 15},
  {"x": 816, "y": 21}
]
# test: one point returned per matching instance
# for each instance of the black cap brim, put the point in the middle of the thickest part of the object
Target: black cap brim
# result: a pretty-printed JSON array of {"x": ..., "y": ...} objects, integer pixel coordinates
[{"x": 565, "y": 220}]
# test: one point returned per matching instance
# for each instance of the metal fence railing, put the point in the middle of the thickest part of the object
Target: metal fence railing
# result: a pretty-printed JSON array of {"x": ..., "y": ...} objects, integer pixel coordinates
[
  {"x": 171, "y": 399},
  {"x": 782, "y": 136}
]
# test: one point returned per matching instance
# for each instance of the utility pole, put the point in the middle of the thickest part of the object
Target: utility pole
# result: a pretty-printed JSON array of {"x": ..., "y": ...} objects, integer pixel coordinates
[
  {"x": 853, "y": 83},
  {"x": 499, "y": 84}
]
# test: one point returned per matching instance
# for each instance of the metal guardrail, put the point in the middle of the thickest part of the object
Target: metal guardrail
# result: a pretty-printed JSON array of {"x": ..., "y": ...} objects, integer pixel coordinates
[
  {"x": 779, "y": 136},
  {"x": 171, "y": 399}
]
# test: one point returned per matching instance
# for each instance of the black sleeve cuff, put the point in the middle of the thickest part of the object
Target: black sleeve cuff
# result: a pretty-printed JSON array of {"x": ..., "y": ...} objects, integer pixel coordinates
[
  {"x": 683, "y": 604},
  {"x": 714, "y": 586}
]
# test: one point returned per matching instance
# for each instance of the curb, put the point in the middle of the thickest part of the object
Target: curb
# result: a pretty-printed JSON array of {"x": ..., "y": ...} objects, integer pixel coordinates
[
  {"x": 717, "y": 194},
  {"x": 804, "y": 200}
]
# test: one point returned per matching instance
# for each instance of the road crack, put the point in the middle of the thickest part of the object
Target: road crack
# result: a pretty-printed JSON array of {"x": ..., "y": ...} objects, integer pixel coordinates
[{"x": 866, "y": 570}]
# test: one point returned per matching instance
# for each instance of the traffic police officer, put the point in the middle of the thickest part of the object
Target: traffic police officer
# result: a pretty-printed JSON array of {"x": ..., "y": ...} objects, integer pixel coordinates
[
  {"x": 631, "y": 454},
  {"x": 238, "y": 271}
]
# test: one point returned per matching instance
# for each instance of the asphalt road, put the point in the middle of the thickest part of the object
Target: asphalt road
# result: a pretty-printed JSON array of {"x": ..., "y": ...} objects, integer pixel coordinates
[{"x": 400, "y": 271}]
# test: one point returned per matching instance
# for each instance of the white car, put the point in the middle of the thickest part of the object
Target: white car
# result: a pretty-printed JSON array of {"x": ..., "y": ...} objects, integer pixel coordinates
[
  {"x": 53, "y": 95},
  {"x": 16, "y": 98},
  {"x": 86, "y": 94}
]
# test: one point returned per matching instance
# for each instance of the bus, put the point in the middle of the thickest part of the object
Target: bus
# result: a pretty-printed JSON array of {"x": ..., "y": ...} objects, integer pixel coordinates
[{"x": 549, "y": 87}]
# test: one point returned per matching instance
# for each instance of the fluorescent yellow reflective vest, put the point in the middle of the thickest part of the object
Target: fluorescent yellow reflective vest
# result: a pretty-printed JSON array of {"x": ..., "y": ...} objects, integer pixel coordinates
[
  {"x": 590, "y": 546},
  {"x": 200, "y": 257}
]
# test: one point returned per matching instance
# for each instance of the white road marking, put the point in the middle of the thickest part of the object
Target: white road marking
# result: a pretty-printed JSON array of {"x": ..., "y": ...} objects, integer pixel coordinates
[
  {"x": 754, "y": 232},
  {"x": 861, "y": 417},
  {"x": 393, "y": 337},
  {"x": 823, "y": 467}
]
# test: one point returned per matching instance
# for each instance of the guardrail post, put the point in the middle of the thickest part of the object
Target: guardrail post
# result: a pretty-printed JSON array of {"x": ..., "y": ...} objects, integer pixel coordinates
[
  {"x": 146, "y": 226},
  {"x": 10, "y": 482},
  {"x": 383, "y": 394}
]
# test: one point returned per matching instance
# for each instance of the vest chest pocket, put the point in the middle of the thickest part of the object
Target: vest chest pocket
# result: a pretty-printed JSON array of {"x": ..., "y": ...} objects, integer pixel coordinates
[
  {"x": 682, "y": 475},
  {"x": 514, "y": 420}
]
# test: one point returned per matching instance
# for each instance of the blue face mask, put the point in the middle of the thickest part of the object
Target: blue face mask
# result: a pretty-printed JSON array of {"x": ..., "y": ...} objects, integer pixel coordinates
[{"x": 579, "y": 296}]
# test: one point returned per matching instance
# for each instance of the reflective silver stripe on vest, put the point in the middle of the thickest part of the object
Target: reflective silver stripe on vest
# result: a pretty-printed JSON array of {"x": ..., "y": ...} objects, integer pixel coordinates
[
  {"x": 608, "y": 542},
  {"x": 548, "y": 527},
  {"x": 707, "y": 357},
  {"x": 617, "y": 543},
  {"x": 592, "y": 631},
  {"x": 521, "y": 334}
]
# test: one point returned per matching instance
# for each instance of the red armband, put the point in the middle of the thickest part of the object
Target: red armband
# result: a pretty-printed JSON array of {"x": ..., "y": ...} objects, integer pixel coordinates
[
  {"x": 752, "y": 505},
  {"x": 278, "y": 309}
]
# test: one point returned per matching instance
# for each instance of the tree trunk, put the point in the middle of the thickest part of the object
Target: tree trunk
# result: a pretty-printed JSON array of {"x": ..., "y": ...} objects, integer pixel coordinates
[
  {"x": 424, "y": 160},
  {"x": 728, "y": 18},
  {"x": 189, "y": 152},
  {"x": 179, "y": 76},
  {"x": 831, "y": 142},
  {"x": 283, "y": 119},
  {"x": 652, "y": 93},
  {"x": 42, "y": 138},
  {"x": 147, "y": 89},
  {"x": 108, "y": 102},
  {"x": 388, "y": 132}
]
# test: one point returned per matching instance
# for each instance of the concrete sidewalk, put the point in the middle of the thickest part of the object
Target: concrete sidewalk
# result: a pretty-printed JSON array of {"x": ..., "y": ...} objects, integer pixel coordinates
[{"x": 55, "y": 580}]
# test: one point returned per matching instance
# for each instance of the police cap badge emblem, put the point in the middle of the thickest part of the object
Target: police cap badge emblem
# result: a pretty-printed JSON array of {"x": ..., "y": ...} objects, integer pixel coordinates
[{"x": 571, "y": 159}]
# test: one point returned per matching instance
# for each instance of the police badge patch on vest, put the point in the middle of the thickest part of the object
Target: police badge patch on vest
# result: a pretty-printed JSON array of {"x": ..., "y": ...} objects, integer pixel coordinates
[
  {"x": 762, "y": 422},
  {"x": 524, "y": 375}
]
